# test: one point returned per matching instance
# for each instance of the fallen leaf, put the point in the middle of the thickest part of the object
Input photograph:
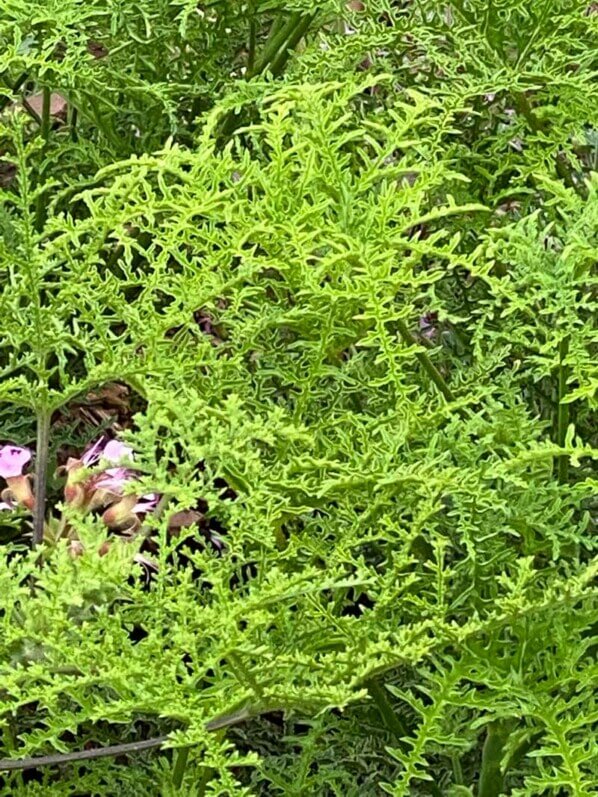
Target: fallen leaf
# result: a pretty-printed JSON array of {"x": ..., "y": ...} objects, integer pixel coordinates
[
  {"x": 8, "y": 172},
  {"x": 58, "y": 104},
  {"x": 96, "y": 49},
  {"x": 184, "y": 519}
]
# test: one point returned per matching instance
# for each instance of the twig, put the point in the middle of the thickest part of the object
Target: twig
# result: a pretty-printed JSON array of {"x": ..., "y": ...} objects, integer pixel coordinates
[
  {"x": 57, "y": 759},
  {"x": 7, "y": 764}
]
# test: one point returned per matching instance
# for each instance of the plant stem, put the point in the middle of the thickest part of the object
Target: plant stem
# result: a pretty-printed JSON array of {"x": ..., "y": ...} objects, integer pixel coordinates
[
  {"x": 491, "y": 778},
  {"x": 41, "y": 475},
  {"x": 14, "y": 87},
  {"x": 251, "y": 49},
  {"x": 280, "y": 61},
  {"x": 523, "y": 749},
  {"x": 205, "y": 777},
  {"x": 208, "y": 772},
  {"x": 426, "y": 362},
  {"x": 20, "y": 81},
  {"x": 563, "y": 411},
  {"x": 57, "y": 759},
  {"x": 282, "y": 41},
  {"x": 40, "y": 209},
  {"x": 156, "y": 514},
  {"x": 31, "y": 111},
  {"x": 274, "y": 43},
  {"x": 389, "y": 716},
  {"x": 74, "y": 116},
  {"x": 180, "y": 764},
  {"x": 46, "y": 105},
  {"x": 457, "y": 770}
]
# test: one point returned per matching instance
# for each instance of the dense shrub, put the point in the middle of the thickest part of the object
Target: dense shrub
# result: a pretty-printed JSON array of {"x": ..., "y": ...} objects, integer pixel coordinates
[{"x": 341, "y": 261}]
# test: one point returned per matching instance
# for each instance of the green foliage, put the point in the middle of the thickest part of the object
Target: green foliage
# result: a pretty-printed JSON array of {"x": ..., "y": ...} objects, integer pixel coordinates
[{"x": 356, "y": 292}]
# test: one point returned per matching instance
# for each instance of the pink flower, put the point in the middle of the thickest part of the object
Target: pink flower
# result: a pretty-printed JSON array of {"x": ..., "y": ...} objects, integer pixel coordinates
[
  {"x": 13, "y": 460},
  {"x": 7, "y": 505},
  {"x": 116, "y": 452},
  {"x": 92, "y": 454},
  {"x": 428, "y": 325},
  {"x": 114, "y": 479},
  {"x": 112, "y": 451},
  {"x": 147, "y": 503},
  {"x": 105, "y": 488}
]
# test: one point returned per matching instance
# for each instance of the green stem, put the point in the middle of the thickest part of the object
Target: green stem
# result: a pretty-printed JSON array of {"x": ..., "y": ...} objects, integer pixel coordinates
[
  {"x": 563, "y": 411},
  {"x": 14, "y": 88},
  {"x": 46, "y": 105},
  {"x": 40, "y": 210},
  {"x": 274, "y": 43},
  {"x": 389, "y": 716},
  {"x": 180, "y": 764},
  {"x": 281, "y": 43},
  {"x": 252, "y": 42},
  {"x": 275, "y": 27},
  {"x": 457, "y": 771},
  {"x": 31, "y": 111},
  {"x": 426, "y": 362},
  {"x": 157, "y": 513},
  {"x": 20, "y": 81},
  {"x": 280, "y": 61},
  {"x": 74, "y": 117},
  {"x": 491, "y": 778},
  {"x": 41, "y": 474}
]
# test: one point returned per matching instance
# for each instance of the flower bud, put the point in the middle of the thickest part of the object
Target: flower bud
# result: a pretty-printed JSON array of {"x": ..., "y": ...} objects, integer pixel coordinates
[{"x": 20, "y": 489}]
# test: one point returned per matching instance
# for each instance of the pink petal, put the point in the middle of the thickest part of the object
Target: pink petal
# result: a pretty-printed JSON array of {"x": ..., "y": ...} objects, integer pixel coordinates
[
  {"x": 147, "y": 503},
  {"x": 115, "y": 452},
  {"x": 143, "y": 560},
  {"x": 91, "y": 456},
  {"x": 6, "y": 505},
  {"x": 13, "y": 460},
  {"x": 114, "y": 479},
  {"x": 217, "y": 542}
]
